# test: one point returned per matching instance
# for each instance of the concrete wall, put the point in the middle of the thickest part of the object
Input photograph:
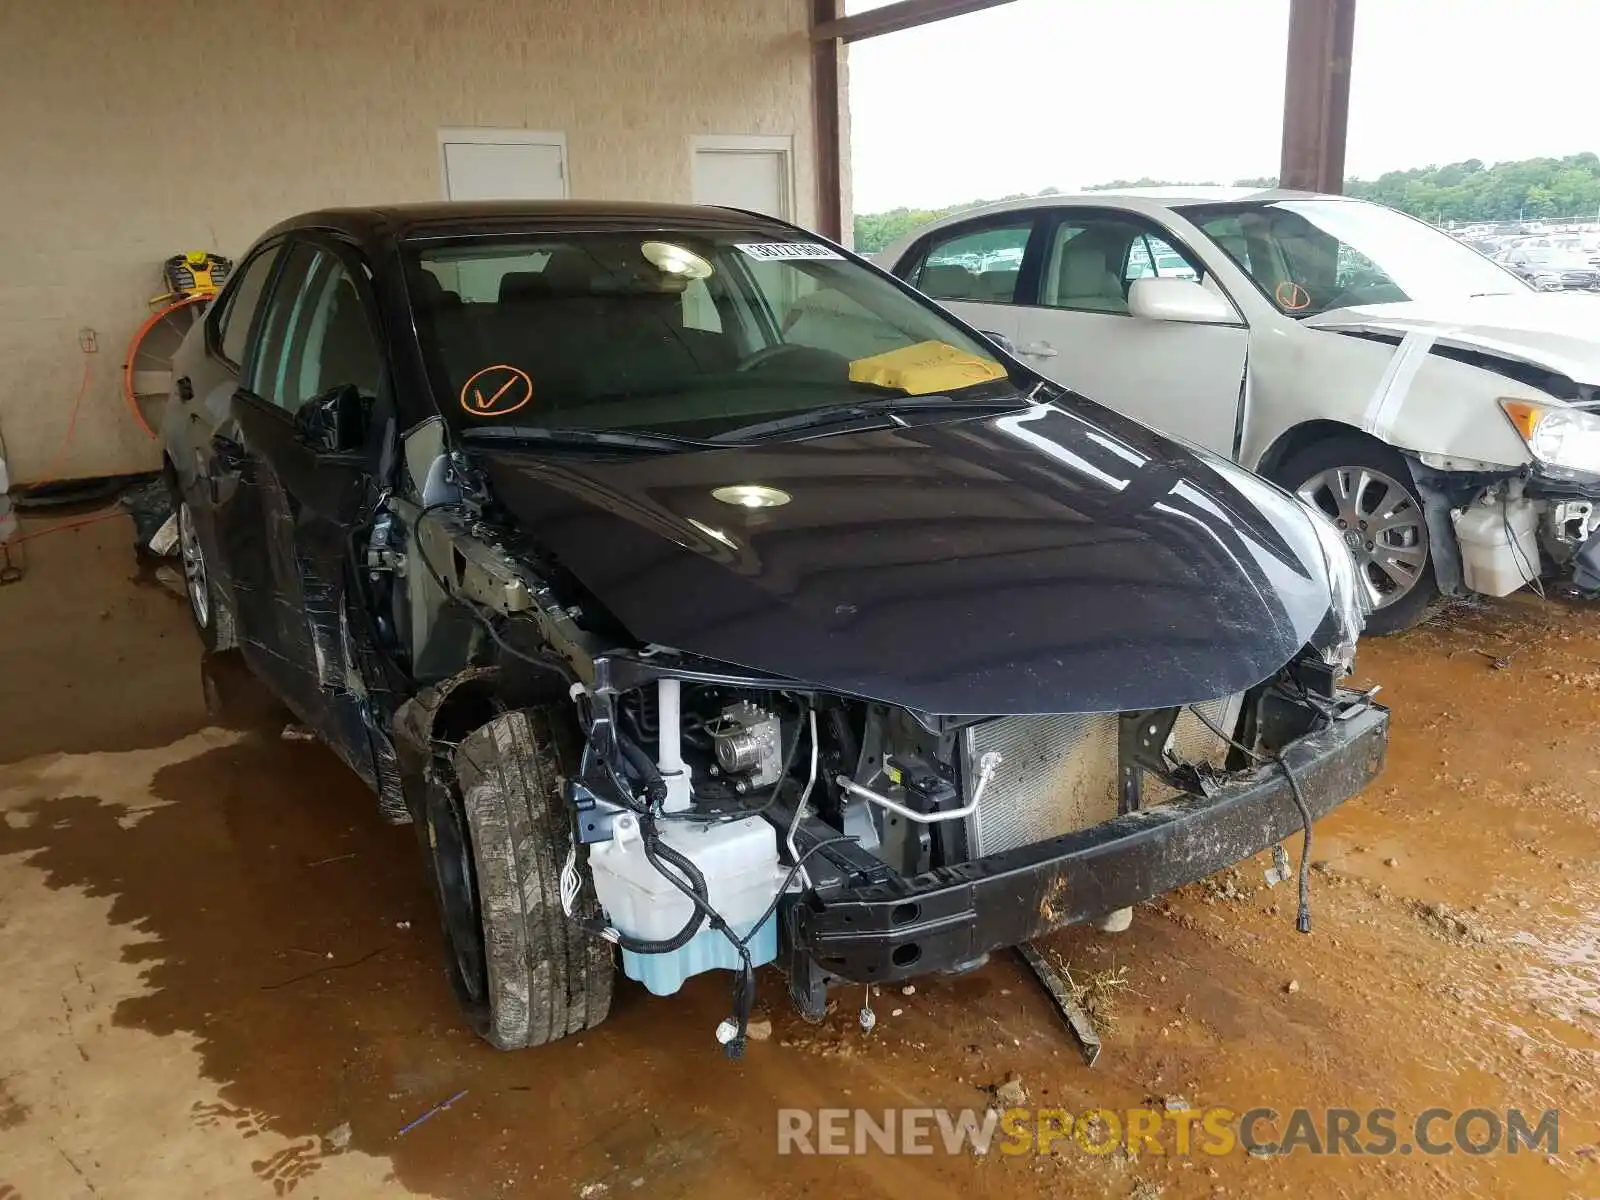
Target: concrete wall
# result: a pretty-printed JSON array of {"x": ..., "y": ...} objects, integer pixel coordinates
[{"x": 133, "y": 131}]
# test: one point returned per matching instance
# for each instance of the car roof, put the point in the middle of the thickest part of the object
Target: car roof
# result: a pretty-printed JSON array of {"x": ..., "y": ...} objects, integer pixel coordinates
[
  {"x": 1141, "y": 199},
  {"x": 368, "y": 226}
]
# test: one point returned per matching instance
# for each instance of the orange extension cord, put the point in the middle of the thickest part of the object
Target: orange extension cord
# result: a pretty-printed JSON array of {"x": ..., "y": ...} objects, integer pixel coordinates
[{"x": 72, "y": 428}]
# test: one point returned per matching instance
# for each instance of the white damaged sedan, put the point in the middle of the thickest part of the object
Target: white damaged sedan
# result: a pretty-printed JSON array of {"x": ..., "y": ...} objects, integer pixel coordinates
[{"x": 1442, "y": 412}]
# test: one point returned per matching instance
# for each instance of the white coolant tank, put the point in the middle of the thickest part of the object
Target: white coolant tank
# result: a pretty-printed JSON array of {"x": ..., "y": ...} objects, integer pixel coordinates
[
  {"x": 739, "y": 860},
  {"x": 1499, "y": 546}
]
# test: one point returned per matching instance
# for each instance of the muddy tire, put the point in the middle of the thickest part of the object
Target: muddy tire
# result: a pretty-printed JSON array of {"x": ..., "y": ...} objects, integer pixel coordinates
[
  {"x": 1355, "y": 480},
  {"x": 498, "y": 836}
]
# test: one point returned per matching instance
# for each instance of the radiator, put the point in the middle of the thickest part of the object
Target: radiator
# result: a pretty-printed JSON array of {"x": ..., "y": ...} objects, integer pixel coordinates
[{"x": 1059, "y": 773}]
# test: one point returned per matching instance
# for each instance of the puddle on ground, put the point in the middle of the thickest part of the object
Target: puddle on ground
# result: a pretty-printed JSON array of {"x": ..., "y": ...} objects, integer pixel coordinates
[{"x": 262, "y": 1000}]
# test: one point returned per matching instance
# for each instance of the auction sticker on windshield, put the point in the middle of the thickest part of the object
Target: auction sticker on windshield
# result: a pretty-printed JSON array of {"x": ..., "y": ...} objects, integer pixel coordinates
[
  {"x": 496, "y": 391},
  {"x": 787, "y": 251}
]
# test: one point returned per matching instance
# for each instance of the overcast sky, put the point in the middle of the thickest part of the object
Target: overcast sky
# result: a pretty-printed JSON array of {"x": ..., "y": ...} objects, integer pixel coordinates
[{"x": 1064, "y": 93}]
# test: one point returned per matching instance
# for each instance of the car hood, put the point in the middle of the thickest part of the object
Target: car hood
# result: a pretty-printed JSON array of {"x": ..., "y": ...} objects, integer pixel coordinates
[
  {"x": 1053, "y": 559},
  {"x": 1554, "y": 330}
]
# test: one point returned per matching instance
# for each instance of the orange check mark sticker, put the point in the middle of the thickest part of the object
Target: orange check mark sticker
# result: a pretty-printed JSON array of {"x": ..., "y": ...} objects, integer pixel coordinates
[
  {"x": 496, "y": 391},
  {"x": 1291, "y": 295}
]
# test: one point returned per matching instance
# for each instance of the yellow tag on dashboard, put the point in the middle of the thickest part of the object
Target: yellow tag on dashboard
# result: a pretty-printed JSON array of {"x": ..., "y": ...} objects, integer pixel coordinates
[{"x": 924, "y": 368}]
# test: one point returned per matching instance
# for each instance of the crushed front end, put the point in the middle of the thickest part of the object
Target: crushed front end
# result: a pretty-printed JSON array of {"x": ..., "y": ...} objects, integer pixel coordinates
[
  {"x": 1084, "y": 816},
  {"x": 854, "y": 841}
]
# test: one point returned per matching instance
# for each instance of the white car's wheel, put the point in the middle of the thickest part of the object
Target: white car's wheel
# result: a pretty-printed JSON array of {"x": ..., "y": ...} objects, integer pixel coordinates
[{"x": 1365, "y": 488}]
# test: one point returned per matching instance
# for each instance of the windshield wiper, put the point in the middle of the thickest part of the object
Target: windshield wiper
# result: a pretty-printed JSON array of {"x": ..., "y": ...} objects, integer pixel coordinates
[
  {"x": 861, "y": 410},
  {"x": 607, "y": 439}
]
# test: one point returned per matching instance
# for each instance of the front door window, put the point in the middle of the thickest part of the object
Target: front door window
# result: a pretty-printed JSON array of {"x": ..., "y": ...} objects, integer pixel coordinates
[{"x": 975, "y": 264}]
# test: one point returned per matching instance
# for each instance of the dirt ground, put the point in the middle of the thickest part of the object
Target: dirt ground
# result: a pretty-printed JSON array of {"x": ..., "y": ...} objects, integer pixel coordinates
[{"x": 222, "y": 976}]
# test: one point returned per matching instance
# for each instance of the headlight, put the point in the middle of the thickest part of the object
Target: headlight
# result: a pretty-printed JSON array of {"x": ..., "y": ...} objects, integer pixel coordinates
[
  {"x": 1349, "y": 600},
  {"x": 1565, "y": 441}
]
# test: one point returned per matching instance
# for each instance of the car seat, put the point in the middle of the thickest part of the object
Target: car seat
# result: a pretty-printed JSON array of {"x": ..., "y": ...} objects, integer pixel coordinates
[{"x": 1084, "y": 275}]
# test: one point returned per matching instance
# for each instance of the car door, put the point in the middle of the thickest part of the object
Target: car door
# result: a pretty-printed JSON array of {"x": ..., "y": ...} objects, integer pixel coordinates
[
  {"x": 200, "y": 433},
  {"x": 318, "y": 352},
  {"x": 1074, "y": 325},
  {"x": 976, "y": 270}
]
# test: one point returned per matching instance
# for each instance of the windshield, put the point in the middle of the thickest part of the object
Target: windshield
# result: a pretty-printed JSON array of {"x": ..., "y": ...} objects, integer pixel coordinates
[
  {"x": 1309, "y": 256},
  {"x": 689, "y": 333}
]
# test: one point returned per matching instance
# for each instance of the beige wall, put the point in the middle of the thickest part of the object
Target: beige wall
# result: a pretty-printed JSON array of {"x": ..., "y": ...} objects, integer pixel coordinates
[{"x": 109, "y": 163}]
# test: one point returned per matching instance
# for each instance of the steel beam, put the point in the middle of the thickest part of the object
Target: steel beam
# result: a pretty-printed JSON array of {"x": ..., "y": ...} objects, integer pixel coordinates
[
  {"x": 1316, "y": 94},
  {"x": 892, "y": 18},
  {"x": 825, "y": 56}
]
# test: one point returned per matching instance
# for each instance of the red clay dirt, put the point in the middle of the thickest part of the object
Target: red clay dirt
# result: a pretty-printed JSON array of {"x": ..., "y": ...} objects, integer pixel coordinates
[{"x": 223, "y": 971}]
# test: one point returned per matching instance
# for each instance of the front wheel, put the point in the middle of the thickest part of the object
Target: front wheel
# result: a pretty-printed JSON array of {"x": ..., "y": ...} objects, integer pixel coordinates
[
  {"x": 1365, "y": 488},
  {"x": 497, "y": 836}
]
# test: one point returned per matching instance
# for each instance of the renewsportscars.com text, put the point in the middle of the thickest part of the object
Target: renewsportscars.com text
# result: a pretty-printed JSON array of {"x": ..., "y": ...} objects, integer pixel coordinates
[{"x": 1184, "y": 1131}]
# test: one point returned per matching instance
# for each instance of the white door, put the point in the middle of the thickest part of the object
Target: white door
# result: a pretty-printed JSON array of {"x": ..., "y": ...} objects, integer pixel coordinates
[
  {"x": 973, "y": 270},
  {"x": 749, "y": 173},
  {"x": 1179, "y": 378},
  {"x": 503, "y": 164}
]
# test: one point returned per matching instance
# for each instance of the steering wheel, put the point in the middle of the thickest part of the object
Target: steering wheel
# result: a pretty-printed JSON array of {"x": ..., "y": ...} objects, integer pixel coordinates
[{"x": 766, "y": 354}]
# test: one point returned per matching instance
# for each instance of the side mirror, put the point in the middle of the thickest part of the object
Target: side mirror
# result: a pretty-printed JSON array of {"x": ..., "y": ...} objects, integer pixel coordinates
[
  {"x": 1001, "y": 340},
  {"x": 334, "y": 421},
  {"x": 1182, "y": 300}
]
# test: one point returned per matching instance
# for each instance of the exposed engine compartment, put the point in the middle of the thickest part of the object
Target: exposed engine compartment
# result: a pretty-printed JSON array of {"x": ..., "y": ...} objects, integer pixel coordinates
[{"x": 701, "y": 804}]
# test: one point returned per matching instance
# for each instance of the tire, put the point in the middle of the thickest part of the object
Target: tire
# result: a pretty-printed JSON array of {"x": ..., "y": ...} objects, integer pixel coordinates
[
  {"x": 497, "y": 836},
  {"x": 213, "y": 620},
  {"x": 1347, "y": 456}
]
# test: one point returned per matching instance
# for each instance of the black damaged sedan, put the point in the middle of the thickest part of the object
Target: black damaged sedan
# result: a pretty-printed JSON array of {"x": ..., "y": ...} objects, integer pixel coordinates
[{"x": 708, "y": 599}]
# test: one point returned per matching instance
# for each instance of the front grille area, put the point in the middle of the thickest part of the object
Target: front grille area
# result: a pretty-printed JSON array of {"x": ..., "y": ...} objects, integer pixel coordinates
[{"x": 1059, "y": 773}]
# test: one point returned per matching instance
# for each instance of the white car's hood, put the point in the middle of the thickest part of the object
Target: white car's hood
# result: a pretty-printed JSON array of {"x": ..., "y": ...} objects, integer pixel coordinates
[{"x": 1559, "y": 331}]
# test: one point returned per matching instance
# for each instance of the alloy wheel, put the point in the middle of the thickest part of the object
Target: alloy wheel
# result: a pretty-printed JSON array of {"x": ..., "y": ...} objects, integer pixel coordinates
[
  {"x": 1382, "y": 524},
  {"x": 451, "y": 847},
  {"x": 194, "y": 567}
]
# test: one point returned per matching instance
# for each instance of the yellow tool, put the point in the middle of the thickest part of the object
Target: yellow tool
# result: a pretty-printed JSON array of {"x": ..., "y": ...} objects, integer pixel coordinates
[{"x": 194, "y": 273}]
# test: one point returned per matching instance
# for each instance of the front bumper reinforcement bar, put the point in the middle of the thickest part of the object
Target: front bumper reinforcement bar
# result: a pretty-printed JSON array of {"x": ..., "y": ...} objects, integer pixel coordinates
[{"x": 952, "y": 916}]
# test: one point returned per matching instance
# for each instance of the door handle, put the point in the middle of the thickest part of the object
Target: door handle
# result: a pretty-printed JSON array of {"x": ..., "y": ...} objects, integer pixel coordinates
[
  {"x": 227, "y": 453},
  {"x": 1039, "y": 350}
]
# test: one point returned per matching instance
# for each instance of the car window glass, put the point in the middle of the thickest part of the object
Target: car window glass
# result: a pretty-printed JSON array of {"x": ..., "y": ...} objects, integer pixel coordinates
[
  {"x": 1227, "y": 232},
  {"x": 318, "y": 336},
  {"x": 478, "y": 281},
  {"x": 980, "y": 264},
  {"x": 1140, "y": 264},
  {"x": 332, "y": 345},
  {"x": 700, "y": 309},
  {"x": 1353, "y": 269},
  {"x": 1089, "y": 262},
  {"x": 233, "y": 323},
  {"x": 288, "y": 295},
  {"x": 691, "y": 331},
  {"x": 1309, "y": 256},
  {"x": 1153, "y": 258}
]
